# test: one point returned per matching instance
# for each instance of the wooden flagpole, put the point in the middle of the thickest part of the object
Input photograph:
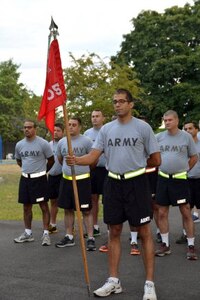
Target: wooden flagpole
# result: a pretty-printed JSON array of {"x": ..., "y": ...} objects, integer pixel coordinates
[{"x": 54, "y": 32}]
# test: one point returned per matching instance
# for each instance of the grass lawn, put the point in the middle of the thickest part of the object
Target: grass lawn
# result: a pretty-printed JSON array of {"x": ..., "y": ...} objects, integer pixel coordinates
[{"x": 10, "y": 209}]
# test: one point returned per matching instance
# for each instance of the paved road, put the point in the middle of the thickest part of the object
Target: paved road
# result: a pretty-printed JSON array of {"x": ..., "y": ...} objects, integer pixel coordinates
[{"x": 32, "y": 272}]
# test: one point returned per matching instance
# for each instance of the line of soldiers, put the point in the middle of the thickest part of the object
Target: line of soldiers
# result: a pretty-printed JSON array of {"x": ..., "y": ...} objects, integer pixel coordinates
[{"x": 125, "y": 149}]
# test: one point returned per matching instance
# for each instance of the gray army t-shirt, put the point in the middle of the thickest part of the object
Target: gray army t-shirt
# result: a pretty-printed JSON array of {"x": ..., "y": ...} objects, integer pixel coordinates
[
  {"x": 92, "y": 133},
  {"x": 33, "y": 154},
  {"x": 175, "y": 151},
  {"x": 195, "y": 171},
  {"x": 81, "y": 145},
  {"x": 126, "y": 146}
]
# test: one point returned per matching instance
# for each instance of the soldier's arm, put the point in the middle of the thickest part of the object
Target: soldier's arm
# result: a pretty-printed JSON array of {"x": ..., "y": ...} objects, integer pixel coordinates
[
  {"x": 154, "y": 160},
  {"x": 50, "y": 162},
  {"x": 19, "y": 162}
]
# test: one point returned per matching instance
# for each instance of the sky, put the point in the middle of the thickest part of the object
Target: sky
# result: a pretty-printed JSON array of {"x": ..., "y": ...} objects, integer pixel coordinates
[{"x": 85, "y": 26}]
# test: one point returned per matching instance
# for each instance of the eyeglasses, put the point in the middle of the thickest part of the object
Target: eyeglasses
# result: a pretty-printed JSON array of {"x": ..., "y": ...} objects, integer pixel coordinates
[{"x": 120, "y": 101}]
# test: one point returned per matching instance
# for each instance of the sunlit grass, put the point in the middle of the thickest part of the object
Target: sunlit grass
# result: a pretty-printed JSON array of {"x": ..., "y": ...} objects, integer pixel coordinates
[{"x": 10, "y": 209}]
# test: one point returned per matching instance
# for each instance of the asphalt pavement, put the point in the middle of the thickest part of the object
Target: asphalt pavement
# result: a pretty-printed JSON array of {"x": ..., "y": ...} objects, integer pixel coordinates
[{"x": 31, "y": 272}]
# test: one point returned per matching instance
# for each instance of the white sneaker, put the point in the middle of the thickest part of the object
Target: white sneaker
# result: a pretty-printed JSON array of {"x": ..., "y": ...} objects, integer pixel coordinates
[
  {"x": 110, "y": 287},
  {"x": 46, "y": 240},
  {"x": 24, "y": 237},
  {"x": 149, "y": 291}
]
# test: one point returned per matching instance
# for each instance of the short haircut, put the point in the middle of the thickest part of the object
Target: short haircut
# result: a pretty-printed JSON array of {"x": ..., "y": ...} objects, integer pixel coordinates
[
  {"x": 31, "y": 121},
  {"x": 171, "y": 112},
  {"x": 99, "y": 110},
  {"x": 126, "y": 92},
  {"x": 60, "y": 125},
  {"x": 77, "y": 119},
  {"x": 195, "y": 124}
]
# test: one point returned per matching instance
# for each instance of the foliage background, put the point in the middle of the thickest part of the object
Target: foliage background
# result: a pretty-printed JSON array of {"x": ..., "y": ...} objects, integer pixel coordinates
[
  {"x": 158, "y": 61},
  {"x": 164, "y": 51}
]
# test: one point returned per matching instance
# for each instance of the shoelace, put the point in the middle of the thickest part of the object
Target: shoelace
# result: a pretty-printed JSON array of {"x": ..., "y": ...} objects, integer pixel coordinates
[
  {"x": 108, "y": 282},
  {"x": 149, "y": 288},
  {"x": 45, "y": 237}
]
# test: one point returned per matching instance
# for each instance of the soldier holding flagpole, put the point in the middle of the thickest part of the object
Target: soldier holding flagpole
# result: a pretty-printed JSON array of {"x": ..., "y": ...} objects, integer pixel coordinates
[{"x": 54, "y": 96}]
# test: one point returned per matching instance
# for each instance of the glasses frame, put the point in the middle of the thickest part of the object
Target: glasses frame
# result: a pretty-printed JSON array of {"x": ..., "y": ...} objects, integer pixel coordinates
[{"x": 120, "y": 101}]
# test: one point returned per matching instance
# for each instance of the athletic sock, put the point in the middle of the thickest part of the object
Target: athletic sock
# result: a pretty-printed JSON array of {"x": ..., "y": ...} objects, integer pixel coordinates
[
  {"x": 196, "y": 214},
  {"x": 70, "y": 236},
  {"x": 134, "y": 235},
  {"x": 149, "y": 281},
  {"x": 190, "y": 241},
  {"x": 165, "y": 238},
  {"x": 91, "y": 238},
  {"x": 28, "y": 231},
  {"x": 115, "y": 279}
]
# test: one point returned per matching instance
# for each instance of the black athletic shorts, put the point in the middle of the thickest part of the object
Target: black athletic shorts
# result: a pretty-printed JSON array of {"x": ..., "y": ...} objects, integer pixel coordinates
[
  {"x": 66, "y": 194},
  {"x": 97, "y": 180},
  {"x": 33, "y": 190},
  {"x": 194, "y": 184},
  {"x": 53, "y": 186},
  {"x": 172, "y": 191},
  {"x": 127, "y": 200}
]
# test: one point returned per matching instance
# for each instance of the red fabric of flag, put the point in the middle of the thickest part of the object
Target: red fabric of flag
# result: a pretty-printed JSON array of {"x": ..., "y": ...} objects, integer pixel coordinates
[{"x": 54, "y": 92}]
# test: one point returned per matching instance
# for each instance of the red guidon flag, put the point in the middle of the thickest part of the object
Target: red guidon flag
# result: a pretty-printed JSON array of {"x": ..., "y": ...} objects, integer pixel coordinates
[{"x": 54, "y": 92}]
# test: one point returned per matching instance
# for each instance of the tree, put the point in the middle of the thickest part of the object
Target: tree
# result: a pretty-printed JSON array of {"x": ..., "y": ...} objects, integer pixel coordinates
[
  {"x": 91, "y": 83},
  {"x": 164, "y": 50},
  {"x": 16, "y": 102}
]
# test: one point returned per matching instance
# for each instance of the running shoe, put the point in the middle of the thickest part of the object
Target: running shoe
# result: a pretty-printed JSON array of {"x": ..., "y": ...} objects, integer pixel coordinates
[
  {"x": 96, "y": 232},
  {"x": 158, "y": 238},
  {"x": 91, "y": 245},
  {"x": 46, "y": 240},
  {"x": 149, "y": 291},
  {"x": 134, "y": 249},
  {"x": 52, "y": 229},
  {"x": 66, "y": 242},
  {"x": 104, "y": 248},
  {"x": 191, "y": 255},
  {"x": 195, "y": 219},
  {"x": 182, "y": 239},
  {"x": 110, "y": 287},
  {"x": 163, "y": 250},
  {"x": 24, "y": 237}
]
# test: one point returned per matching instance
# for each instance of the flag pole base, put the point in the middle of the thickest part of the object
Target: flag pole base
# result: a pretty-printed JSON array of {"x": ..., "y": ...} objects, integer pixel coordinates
[{"x": 89, "y": 290}]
